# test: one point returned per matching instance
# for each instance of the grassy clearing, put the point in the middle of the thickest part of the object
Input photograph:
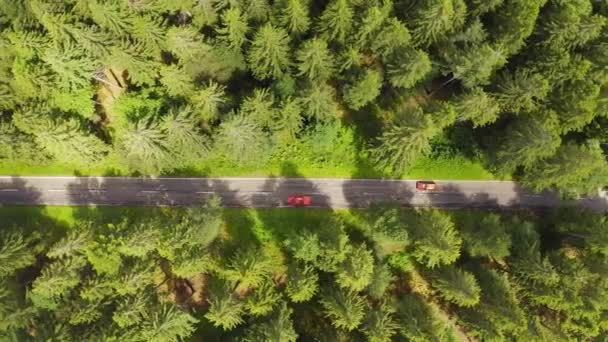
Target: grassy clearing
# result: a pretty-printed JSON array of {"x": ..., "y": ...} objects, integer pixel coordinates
[{"x": 448, "y": 169}]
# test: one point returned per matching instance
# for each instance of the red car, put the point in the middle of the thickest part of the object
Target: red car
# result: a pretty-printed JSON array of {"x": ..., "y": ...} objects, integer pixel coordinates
[
  {"x": 426, "y": 186},
  {"x": 298, "y": 200}
]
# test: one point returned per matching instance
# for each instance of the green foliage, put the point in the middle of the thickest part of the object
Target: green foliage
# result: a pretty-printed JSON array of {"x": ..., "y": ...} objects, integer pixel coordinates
[
  {"x": 235, "y": 27},
  {"x": 476, "y": 65},
  {"x": 302, "y": 282},
  {"x": 430, "y": 20},
  {"x": 225, "y": 310},
  {"x": 382, "y": 279},
  {"x": 380, "y": 325},
  {"x": 405, "y": 140},
  {"x": 356, "y": 272},
  {"x": 294, "y": 15},
  {"x": 248, "y": 269},
  {"x": 436, "y": 242},
  {"x": 269, "y": 53},
  {"x": 345, "y": 310},
  {"x": 389, "y": 233},
  {"x": 288, "y": 121},
  {"x": 279, "y": 328},
  {"x": 364, "y": 89},
  {"x": 319, "y": 102},
  {"x": 15, "y": 253},
  {"x": 406, "y": 67},
  {"x": 457, "y": 286},
  {"x": 527, "y": 140},
  {"x": 242, "y": 139},
  {"x": 418, "y": 321},
  {"x": 168, "y": 324},
  {"x": 66, "y": 141},
  {"x": 487, "y": 237},
  {"x": 336, "y": 21},
  {"x": 315, "y": 60},
  {"x": 478, "y": 106},
  {"x": 574, "y": 168}
]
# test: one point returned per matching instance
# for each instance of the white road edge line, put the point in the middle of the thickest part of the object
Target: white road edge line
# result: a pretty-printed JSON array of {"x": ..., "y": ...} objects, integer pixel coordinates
[{"x": 9, "y": 190}]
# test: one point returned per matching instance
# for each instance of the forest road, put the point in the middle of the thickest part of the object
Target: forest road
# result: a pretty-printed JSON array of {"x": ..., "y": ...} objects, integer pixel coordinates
[{"x": 273, "y": 192}]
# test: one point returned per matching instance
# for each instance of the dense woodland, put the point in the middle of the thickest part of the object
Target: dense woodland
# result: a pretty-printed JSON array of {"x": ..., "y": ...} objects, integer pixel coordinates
[
  {"x": 384, "y": 274},
  {"x": 156, "y": 86}
]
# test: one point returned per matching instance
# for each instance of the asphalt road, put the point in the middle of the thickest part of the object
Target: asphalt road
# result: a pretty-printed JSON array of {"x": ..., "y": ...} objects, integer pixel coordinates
[{"x": 273, "y": 192}]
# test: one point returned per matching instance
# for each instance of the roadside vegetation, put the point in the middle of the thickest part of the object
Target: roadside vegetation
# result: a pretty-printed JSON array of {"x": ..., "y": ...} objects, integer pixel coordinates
[
  {"x": 213, "y": 274},
  {"x": 439, "y": 89}
]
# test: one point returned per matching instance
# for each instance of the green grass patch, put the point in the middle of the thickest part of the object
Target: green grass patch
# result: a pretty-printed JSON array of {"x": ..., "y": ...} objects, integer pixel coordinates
[
  {"x": 426, "y": 168},
  {"x": 449, "y": 169}
]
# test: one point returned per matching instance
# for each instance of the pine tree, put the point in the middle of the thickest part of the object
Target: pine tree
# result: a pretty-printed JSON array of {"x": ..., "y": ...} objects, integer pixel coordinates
[
  {"x": 389, "y": 233},
  {"x": 527, "y": 140},
  {"x": 263, "y": 299},
  {"x": 393, "y": 36},
  {"x": 371, "y": 23},
  {"x": 182, "y": 139},
  {"x": 315, "y": 60},
  {"x": 302, "y": 282},
  {"x": 336, "y": 21},
  {"x": 418, "y": 321},
  {"x": 241, "y": 138},
  {"x": 235, "y": 27},
  {"x": 430, "y": 20},
  {"x": 66, "y": 142},
  {"x": 278, "y": 329},
  {"x": 15, "y": 253},
  {"x": 168, "y": 324},
  {"x": 294, "y": 15},
  {"x": 110, "y": 15},
  {"x": 382, "y": 280},
  {"x": 176, "y": 81},
  {"x": 575, "y": 103},
  {"x": 225, "y": 310},
  {"x": 269, "y": 53},
  {"x": 486, "y": 237},
  {"x": 149, "y": 31},
  {"x": 319, "y": 102},
  {"x": 520, "y": 91},
  {"x": 405, "y": 140},
  {"x": 406, "y": 67},
  {"x": 478, "y": 106},
  {"x": 209, "y": 100},
  {"x": 143, "y": 147},
  {"x": 345, "y": 310},
  {"x": 259, "y": 106},
  {"x": 513, "y": 22},
  {"x": 184, "y": 42},
  {"x": 73, "y": 68},
  {"x": 574, "y": 168},
  {"x": 258, "y": 10},
  {"x": 380, "y": 325},
  {"x": 498, "y": 314},
  {"x": 355, "y": 273},
  {"x": 436, "y": 242},
  {"x": 457, "y": 286},
  {"x": 363, "y": 89},
  {"x": 480, "y": 7},
  {"x": 55, "y": 282},
  {"x": 248, "y": 269},
  {"x": 474, "y": 66},
  {"x": 288, "y": 121}
]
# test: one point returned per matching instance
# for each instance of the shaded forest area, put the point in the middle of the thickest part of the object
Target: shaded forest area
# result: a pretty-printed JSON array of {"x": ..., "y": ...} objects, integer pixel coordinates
[
  {"x": 383, "y": 274},
  {"x": 165, "y": 86}
]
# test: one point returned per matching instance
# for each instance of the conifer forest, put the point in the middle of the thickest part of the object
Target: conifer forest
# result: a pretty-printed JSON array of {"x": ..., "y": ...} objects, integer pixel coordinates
[{"x": 447, "y": 89}]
